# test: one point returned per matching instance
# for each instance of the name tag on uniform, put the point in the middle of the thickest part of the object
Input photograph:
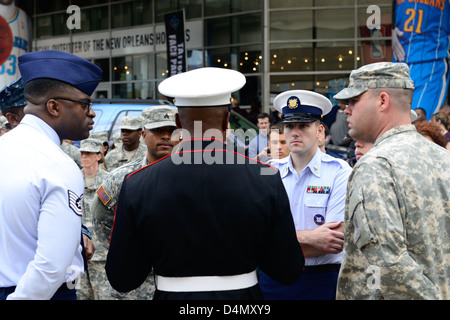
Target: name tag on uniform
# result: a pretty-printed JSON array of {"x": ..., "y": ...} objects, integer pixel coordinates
[{"x": 318, "y": 189}]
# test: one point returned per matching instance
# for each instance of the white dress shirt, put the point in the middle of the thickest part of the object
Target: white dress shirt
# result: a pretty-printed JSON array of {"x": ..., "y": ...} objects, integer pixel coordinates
[
  {"x": 317, "y": 196},
  {"x": 41, "y": 192}
]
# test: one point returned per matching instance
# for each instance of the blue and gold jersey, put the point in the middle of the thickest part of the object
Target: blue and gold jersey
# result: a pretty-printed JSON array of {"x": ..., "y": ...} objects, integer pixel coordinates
[
  {"x": 424, "y": 28},
  {"x": 20, "y": 26}
]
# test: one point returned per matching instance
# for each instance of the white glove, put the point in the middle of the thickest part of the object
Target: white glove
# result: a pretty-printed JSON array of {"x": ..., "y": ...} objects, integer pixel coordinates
[{"x": 397, "y": 48}]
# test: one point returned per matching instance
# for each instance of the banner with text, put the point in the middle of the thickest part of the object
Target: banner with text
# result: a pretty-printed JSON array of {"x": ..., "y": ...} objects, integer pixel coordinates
[
  {"x": 129, "y": 41},
  {"x": 176, "y": 48}
]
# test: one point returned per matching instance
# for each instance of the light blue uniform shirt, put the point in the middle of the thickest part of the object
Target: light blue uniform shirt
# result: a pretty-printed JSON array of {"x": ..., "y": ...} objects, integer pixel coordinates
[
  {"x": 40, "y": 211},
  {"x": 317, "y": 196},
  {"x": 257, "y": 145}
]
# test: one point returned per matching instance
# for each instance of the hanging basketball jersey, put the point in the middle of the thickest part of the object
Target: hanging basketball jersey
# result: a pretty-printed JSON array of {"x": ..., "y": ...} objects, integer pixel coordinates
[{"x": 17, "y": 28}]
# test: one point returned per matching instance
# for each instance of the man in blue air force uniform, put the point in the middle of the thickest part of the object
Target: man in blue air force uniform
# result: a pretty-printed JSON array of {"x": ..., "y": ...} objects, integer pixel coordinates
[{"x": 40, "y": 204}]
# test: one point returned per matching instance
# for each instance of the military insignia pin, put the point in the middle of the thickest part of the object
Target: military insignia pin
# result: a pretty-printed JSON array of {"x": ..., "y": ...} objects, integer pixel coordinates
[
  {"x": 293, "y": 102},
  {"x": 319, "y": 219}
]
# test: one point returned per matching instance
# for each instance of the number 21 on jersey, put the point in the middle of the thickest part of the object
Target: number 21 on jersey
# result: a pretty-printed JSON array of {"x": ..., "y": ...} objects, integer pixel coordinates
[{"x": 411, "y": 22}]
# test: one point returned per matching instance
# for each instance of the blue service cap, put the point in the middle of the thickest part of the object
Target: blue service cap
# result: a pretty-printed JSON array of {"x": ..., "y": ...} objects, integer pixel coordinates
[
  {"x": 301, "y": 106},
  {"x": 62, "y": 66},
  {"x": 12, "y": 96}
]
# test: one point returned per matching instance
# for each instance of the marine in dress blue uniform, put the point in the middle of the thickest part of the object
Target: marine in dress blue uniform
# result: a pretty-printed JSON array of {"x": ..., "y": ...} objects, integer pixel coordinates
[
  {"x": 316, "y": 195},
  {"x": 205, "y": 217},
  {"x": 40, "y": 202}
]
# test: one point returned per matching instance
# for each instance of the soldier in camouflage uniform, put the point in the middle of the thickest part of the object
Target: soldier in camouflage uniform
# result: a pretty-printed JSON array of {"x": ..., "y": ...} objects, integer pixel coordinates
[
  {"x": 397, "y": 219},
  {"x": 159, "y": 126},
  {"x": 94, "y": 284},
  {"x": 117, "y": 140},
  {"x": 103, "y": 137},
  {"x": 72, "y": 152},
  {"x": 131, "y": 148},
  {"x": 3, "y": 122}
]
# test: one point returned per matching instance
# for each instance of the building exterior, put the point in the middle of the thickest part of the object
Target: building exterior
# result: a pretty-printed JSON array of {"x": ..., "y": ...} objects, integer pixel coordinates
[{"x": 278, "y": 44}]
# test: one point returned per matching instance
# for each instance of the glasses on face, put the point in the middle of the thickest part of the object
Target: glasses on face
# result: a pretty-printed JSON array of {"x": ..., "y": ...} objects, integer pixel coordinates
[{"x": 86, "y": 105}]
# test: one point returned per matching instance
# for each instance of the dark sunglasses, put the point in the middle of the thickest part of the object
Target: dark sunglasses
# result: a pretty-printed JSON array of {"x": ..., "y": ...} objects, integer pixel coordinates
[{"x": 86, "y": 105}]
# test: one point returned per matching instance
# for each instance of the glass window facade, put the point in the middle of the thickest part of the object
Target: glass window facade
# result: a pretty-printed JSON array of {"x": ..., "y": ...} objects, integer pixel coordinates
[
  {"x": 278, "y": 44},
  {"x": 315, "y": 44}
]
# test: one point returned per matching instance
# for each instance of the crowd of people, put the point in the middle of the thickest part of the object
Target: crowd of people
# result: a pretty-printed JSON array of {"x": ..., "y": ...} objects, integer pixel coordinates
[{"x": 290, "y": 221}]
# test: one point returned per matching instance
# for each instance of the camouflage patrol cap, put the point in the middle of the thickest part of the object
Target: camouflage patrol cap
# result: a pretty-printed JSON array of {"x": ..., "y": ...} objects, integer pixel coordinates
[
  {"x": 131, "y": 123},
  {"x": 102, "y": 136},
  {"x": 159, "y": 116},
  {"x": 91, "y": 145},
  {"x": 374, "y": 76}
]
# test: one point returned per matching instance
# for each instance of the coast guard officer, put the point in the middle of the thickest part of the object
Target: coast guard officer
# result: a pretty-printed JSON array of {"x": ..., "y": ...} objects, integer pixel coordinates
[
  {"x": 216, "y": 216},
  {"x": 41, "y": 204},
  {"x": 316, "y": 185}
]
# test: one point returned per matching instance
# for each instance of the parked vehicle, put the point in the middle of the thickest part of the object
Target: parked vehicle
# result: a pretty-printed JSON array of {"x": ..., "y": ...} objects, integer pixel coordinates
[{"x": 109, "y": 112}]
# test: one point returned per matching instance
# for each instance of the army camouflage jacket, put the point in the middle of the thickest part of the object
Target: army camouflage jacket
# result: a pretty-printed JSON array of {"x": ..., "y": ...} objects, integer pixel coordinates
[
  {"x": 103, "y": 207},
  {"x": 397, "y": 221},
  {"x": 117, "y": 157},
  {"x": 105, "y": 199},
  {"x": 88, "y": 221}
]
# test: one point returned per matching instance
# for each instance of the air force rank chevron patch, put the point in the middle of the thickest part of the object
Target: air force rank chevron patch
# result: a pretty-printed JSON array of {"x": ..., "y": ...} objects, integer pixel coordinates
[{"x": 75, "y": 203}]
